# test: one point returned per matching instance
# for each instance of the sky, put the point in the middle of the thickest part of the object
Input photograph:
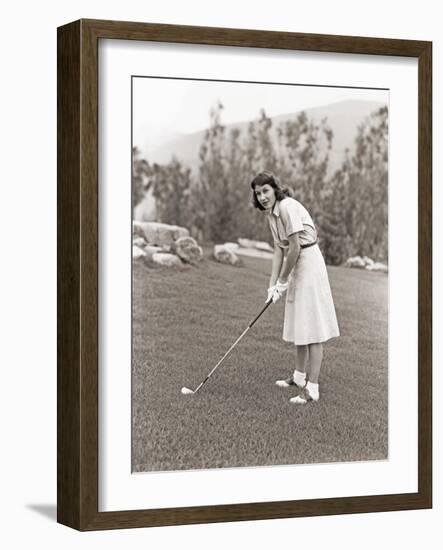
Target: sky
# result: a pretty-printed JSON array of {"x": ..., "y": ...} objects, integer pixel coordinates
[{"x": 165, "y": 107}]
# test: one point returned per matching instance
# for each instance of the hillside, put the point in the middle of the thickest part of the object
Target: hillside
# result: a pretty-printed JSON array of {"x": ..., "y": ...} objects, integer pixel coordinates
[{"x": 343, "y": 117}]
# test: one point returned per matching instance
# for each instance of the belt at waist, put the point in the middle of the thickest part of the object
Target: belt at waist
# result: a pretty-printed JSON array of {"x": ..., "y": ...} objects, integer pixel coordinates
[{"x": 308, "y": 245}]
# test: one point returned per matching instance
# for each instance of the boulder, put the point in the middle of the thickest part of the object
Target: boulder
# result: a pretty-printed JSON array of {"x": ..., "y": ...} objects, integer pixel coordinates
[
  {"x": 377, "y": 266},
  {"x": 161, "y": 234},
  {"x": 265, "y": 247},
  {"x": 139, "y": 241},
  {"x": 137, "y": 230},
  {"x": 187, "y": 250},
  {"x": 137, "y": 253},
  {"x": 232, "y": 246},
  {"x": 254, "y": 252},
  {"x": 166, "y": 260},
  {"x": 225, "y": 255},
  {"x": 259, "y": 245},
  {"x": 355, "y": 261},
  {"x": 150, "y": 250}
]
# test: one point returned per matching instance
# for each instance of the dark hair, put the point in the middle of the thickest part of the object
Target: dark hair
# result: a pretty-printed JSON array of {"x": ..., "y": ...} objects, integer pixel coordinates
[{"x": 268, "y": 178}]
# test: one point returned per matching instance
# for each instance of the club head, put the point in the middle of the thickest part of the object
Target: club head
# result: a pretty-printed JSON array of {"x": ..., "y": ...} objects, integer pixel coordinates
[{"x": 186, "y": 391}]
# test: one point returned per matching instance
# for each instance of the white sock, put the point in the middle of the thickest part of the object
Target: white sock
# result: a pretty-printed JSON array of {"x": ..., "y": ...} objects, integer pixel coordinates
[
  {"x": 313, "y": 390},
  {"x": 299, "y": 377}
]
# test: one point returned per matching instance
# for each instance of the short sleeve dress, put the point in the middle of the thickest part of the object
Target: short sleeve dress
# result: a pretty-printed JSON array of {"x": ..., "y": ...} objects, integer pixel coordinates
[{"x": 309, "y": 311}]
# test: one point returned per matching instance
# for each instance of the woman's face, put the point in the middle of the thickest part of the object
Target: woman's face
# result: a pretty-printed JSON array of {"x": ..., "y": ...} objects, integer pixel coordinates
[{"x": 265, "y": 195}]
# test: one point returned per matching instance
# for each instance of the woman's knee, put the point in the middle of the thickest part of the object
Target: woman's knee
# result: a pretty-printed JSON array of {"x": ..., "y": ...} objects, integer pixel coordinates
[
  {"x": 315, "y": 347},
  {"x": 302, "y": 348}
]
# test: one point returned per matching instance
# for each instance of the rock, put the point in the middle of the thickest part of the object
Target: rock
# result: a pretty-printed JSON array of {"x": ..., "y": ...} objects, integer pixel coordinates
[
  {"x": 187, "y": 250},
  {"x": 137, "y": 230},
  {"x": 160, "y": 234},
  {"x": 137, "y": 253},
  {"x": 226, "y": 256},
  {"x": 247, "y": 247},
  {"x": 259, "y": 245},
  {"x": 377, "y": 266},
  {"x": 166, "y": 260},
  {"x": 232, "y": 246},
  {"x": 355, "y": 261},
  {"x": 139, "y": 241},
  {"x": 246, "y": 243},
  {"x": 150, "y": 250},
  {"x": 254, "y": 252},
  {"x": 265, "y": 247}
]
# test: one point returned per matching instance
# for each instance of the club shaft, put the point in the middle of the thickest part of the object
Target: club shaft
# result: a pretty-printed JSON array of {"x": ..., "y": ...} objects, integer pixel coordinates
[
  {"x": 222, "y": 359},
  {"x": 257, "y": 317},
  {"x": 251, "y": 324}
]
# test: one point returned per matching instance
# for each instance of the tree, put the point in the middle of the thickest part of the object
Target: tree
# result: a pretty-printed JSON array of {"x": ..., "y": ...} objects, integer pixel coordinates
[
  {"x": 349, "y": 208},
  {"x": 355, "y": 207},
  {"x": 259, "y": 154},
  {"x": 141, "y": 172},
  {"x": 368, "y": 188},
  {"x": 221, "y": 189},
  {"x": 172, "y": 185},
  {"x": 304, "y": 147},
  {"x": 335, "y": 241}
]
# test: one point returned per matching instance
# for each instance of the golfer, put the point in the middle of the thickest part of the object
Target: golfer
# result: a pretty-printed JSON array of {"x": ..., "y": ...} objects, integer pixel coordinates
[{"x": 299, "y": 270}]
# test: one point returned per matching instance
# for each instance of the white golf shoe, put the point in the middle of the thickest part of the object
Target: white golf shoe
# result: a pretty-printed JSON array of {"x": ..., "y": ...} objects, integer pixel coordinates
[
  {"x": 304, "y": 397},
  {"x": 287, "y": 383}
]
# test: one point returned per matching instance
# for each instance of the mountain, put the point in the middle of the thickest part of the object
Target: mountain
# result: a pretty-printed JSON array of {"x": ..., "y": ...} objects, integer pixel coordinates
[{"x": 343, "y": 117}]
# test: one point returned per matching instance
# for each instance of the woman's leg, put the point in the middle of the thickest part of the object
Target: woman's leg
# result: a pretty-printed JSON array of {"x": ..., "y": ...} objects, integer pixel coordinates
[
  {"x": 301, "y": 360},
  {"x": 315, "y": 355},
  {"x": 299, "y": 376},
  {"x": 315, "y": 360},
  {"x": 301, "y": 364}
]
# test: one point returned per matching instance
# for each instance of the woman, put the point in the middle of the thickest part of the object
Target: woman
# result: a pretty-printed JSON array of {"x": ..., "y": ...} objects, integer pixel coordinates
[{"x": 299, "y": 270}]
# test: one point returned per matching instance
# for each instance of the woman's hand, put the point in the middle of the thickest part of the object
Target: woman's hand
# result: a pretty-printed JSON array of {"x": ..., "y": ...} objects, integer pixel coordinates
[
  {"x": 281, "y": 286},
  {"x": 270, "y": 293},
  {"x": 276, "y": 292},
  {"x": 279, "y": 289}
]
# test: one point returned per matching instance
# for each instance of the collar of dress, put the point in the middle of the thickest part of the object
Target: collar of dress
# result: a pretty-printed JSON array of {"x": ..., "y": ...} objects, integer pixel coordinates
[{"x": 276, "y": 209}]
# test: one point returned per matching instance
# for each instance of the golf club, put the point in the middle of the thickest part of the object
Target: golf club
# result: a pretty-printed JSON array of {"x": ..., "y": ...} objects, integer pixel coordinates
[{"x": 188, "y": 391}]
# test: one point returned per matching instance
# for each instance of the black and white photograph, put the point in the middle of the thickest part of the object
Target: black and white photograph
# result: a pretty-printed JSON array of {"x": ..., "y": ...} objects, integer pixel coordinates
[
  {"x": 259, "y": 274},
  {"x": 221, "y": 275}
]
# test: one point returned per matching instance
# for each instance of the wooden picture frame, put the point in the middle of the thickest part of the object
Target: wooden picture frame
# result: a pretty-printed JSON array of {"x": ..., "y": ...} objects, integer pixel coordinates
[{"x": 77, "y": 451}]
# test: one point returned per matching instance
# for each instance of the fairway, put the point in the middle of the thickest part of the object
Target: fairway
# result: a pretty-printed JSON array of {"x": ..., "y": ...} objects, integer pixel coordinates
[{"x": 183, "y": 323}]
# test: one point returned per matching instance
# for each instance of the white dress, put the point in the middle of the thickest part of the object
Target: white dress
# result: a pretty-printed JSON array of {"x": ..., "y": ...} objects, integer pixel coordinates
[{"x": 309, "y": 312}]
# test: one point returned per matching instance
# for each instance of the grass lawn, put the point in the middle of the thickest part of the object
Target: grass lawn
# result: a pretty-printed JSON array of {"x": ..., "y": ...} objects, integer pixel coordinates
[{"x": 184, "y": 321}]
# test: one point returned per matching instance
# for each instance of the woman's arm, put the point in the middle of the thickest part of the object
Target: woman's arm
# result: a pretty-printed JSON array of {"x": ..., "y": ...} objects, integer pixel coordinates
[
  {"x": 277, "y": 261},
  {"x": 291, "y": 258}
]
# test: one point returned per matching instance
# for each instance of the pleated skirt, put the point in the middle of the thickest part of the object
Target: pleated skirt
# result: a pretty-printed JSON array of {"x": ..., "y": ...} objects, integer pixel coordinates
[{"x": 309, "y": 311}]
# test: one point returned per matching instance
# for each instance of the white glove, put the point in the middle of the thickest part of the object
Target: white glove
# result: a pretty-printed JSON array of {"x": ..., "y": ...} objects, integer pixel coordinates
[
  {"x": 281, "y": 287},
  {"x": 276, "y": 292},
  {"x": 270, "y": 293}
]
